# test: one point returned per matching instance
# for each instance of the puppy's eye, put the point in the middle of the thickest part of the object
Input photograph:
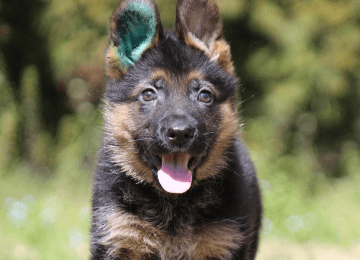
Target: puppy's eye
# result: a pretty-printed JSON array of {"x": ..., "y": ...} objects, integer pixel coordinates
[
  {"x": 148, "y": 95},
  {"x": 205, "y": 96}
]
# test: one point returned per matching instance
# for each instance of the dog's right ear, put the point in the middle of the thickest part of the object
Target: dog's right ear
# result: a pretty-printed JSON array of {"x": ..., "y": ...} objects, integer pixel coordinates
[{"x": 135, "y": 27}]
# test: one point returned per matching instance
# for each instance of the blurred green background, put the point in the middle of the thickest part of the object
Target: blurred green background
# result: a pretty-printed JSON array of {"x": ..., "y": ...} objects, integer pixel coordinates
[{"x": 299, "y": 64}]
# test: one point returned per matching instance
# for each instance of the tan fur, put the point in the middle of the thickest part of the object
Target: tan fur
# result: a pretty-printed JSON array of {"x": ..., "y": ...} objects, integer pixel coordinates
[
  {"x": 218, "y": 51},
  {"x": 221, "y": 50},
  {"x": 114, "y": 67},
  {"x": 160, "y": 74},
  {"x": 195, "y": 75},
  {"x": 176, "y": 82},
  {"x": 192, "y": 40},
  {"x": 119, "y": 122},
  {"x": 125, "y": 232},
  {"x": 217, "y": 158},
  {"x": 198, "y": 75}
]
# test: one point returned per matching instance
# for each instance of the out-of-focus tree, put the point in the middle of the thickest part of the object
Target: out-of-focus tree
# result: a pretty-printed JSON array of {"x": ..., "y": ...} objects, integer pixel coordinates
[
  {"x": 33, "y": 104},
  {"x": 23, "y": 44},
  {"x": 299, "y": 63}
]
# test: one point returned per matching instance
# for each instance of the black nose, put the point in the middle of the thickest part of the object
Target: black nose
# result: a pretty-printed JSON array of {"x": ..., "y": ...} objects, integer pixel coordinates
[{"x": 179, "y": 133}]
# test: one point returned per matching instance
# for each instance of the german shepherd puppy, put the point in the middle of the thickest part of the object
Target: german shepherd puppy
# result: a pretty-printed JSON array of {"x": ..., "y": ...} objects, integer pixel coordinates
[{"x": 173, "y": 181}]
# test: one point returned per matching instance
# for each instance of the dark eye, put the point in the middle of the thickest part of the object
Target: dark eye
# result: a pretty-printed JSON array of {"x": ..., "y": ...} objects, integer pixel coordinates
[
  {"x": 205, "y": 96},
  {"x": 148, "y": 95}
]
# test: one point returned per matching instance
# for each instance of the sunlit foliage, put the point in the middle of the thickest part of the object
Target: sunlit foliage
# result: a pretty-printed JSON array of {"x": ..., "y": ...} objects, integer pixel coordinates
[{"x": 299, "y": 64}]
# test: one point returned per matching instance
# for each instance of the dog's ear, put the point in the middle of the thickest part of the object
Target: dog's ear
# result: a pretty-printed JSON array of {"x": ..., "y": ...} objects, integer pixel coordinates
[
  {"x": 135, "y": 27},
  {"x": 199, "y": 24}
]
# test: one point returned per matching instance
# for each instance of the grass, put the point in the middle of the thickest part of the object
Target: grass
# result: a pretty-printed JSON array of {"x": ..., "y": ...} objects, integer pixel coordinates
[
  {"x": 48, "y": 217},
  {"x": 44, "y": 219}
]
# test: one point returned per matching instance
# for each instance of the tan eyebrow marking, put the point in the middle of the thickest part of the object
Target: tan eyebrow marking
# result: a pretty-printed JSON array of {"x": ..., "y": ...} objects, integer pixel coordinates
[
  {"x": 160, "y": 74},
  {"x": 195, "y": 74}
]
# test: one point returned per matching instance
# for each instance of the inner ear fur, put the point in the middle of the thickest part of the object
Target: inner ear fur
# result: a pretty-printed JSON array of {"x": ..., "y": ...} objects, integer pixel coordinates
[
  {"x": 199, "y": 24},
  {"x": 135, "y": 26}
]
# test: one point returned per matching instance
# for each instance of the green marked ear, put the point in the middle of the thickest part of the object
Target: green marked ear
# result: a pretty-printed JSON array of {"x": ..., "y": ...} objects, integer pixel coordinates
[{"x": 135, "y": 27}]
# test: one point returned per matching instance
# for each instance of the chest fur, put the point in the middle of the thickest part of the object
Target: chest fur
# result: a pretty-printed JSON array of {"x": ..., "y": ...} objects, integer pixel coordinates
[{"x": 130, "y": 237}]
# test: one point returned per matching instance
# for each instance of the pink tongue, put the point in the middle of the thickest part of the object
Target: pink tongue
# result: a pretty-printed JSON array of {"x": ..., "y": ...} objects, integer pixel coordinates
[{"x": 174, "y": 176}]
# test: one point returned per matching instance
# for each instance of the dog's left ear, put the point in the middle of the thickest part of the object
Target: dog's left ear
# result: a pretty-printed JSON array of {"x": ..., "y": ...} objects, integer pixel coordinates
[{"x": 199, "y": 24}]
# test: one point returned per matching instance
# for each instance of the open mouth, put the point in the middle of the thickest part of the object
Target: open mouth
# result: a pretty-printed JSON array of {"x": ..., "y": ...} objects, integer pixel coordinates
[{"x": 175, "y": 174}]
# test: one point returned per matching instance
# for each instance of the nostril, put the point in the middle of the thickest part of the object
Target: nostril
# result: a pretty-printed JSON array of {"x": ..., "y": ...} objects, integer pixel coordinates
[
  {"x": 179, "y": 135},
  {"x": 171, "y": 134},
  {"x": 188, "y": 135}
]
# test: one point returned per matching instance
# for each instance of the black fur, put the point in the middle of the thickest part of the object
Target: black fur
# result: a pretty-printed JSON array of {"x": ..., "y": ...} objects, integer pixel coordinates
[
  {"x": 226, "y": 198},
  {"x": 235, "y": 197}
]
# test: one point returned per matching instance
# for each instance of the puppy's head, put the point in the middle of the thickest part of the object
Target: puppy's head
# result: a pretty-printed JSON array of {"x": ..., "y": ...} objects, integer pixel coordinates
[{"x": 170, "y": 99}]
